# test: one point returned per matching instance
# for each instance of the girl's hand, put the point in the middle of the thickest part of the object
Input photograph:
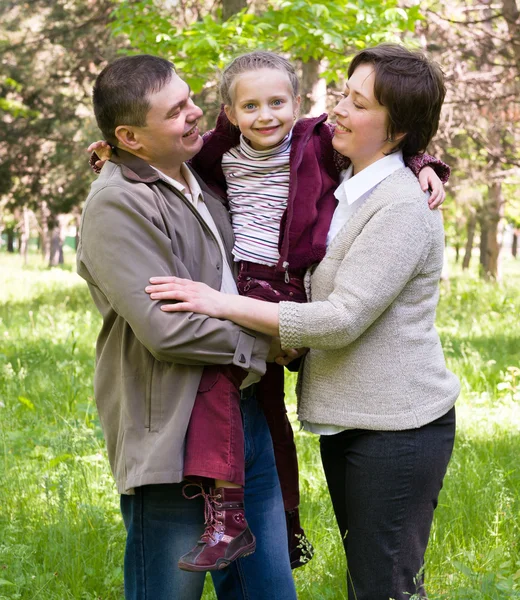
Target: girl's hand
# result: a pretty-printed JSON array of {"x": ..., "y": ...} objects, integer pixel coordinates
[
  {"x": 429, "y": 181},
  {"x": 191, "y": 296},
  {"x": 102, "y": 151}
]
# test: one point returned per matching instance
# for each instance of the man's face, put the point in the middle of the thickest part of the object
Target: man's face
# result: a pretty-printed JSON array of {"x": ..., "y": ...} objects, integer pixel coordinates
[{"x": 170, "y": 136}]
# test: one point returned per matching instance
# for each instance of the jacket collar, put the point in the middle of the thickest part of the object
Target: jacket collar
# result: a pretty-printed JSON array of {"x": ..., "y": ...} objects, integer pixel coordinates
[
  {"x": 136, "y": 169},
  {"x": 133, "y": 167}
]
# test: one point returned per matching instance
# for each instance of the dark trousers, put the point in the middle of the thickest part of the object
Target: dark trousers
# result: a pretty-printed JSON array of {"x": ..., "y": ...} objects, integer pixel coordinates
[
  {"x": 384, "y": 487},
  {"x": 214, "y": 447}
]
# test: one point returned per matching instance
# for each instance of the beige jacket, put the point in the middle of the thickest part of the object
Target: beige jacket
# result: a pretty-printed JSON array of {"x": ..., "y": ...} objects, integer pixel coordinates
[
  {"x": 148, "y": 362},
  {"x": 376, "y": 361}
]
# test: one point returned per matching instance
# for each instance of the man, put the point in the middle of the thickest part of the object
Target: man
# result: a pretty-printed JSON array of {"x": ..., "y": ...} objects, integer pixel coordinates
[{"x": 148, "y": 214}]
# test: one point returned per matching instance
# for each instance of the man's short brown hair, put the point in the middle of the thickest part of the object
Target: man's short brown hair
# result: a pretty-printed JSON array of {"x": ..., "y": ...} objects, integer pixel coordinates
[
  {"x": 122, "y": 89},
  {"x": 411, "y": 88}
]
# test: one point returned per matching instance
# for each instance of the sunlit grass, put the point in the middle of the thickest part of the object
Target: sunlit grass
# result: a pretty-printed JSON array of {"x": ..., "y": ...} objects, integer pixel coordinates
[{"x": 61, "y": 535}]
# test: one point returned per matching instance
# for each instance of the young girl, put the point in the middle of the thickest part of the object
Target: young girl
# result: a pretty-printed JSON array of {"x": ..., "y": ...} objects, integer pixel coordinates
[{"x": 278, "y": 175}]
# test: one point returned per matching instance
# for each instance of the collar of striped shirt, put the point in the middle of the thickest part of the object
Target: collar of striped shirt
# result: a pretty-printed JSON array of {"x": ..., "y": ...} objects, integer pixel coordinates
[{"x": 280, "y": 148}]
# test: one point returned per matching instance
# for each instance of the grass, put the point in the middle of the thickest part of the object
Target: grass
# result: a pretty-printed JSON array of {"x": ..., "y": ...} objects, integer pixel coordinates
[{"x": 61, "y": 535}]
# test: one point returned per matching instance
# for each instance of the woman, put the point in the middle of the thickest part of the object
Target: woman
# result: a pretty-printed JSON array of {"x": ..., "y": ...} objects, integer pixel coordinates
[{"x": 374, "y": 384}]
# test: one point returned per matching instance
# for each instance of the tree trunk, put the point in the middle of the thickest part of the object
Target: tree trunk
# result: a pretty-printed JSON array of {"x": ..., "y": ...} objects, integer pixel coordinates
[
  {"x": 25, "y": 234},
  {"x": 231, "y": 7},
  {"x": 314, "y": 89},
  {"x": 472, "y": 225},
  {"x": 77, "y": 222},
  {"x": 10, "y": 240},
  {"x": 484, "y": 258},
  {"x": 58, "y": 234},
  {"x": 514, "y": 246},
  {"x": 512, "y": 15},
  {"x": 494, "y": 232},
  {"x": 457, "y": 253},
  {"x": 45, "y": 214}
]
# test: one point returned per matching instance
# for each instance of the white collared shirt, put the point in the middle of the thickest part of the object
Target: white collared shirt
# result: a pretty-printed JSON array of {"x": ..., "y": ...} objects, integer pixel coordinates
[
  {"x": 354, "y": 190},
  {"x": 351, "y": 194},
  {"x": 194, "y": 194}
]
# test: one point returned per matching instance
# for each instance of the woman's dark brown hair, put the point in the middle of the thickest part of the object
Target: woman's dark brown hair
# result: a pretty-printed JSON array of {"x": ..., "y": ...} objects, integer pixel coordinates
[{"x": 411, "y": 88}]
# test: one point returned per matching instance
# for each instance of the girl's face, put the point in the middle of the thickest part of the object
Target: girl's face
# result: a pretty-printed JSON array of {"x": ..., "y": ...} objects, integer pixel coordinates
[
  {"x": 264, "y": 107},
  {"x": 361, "y": 122}
]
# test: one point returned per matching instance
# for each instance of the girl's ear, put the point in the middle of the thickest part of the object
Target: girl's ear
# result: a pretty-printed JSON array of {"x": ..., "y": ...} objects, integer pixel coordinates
[{"x": 230, "y": 114}]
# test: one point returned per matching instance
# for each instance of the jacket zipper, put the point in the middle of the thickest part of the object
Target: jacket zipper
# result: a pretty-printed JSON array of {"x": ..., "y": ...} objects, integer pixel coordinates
[{"x": 285, "y": 265}]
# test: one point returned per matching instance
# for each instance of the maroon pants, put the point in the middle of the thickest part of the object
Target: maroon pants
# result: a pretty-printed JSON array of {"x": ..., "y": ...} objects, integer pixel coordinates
[{"x": 215, "y": 437}]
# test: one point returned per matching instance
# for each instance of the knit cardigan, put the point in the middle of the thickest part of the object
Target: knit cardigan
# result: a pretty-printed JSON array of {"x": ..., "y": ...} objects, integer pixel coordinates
[{"x": 376, "y": 360}]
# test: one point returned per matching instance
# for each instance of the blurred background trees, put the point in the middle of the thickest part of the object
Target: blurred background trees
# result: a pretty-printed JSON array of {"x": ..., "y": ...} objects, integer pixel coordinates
[{"x": 52, "y": 51}]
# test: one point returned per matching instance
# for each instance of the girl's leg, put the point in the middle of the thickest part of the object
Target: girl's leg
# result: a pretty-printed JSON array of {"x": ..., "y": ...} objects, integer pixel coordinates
[
  {"x": 215, "y": 449},
  {"x": 384, "y": 487},
  {"x": 215, "y": 436}
]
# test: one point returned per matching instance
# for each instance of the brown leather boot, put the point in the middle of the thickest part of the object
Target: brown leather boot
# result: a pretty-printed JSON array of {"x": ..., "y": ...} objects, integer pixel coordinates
[
  {"x": 227, "y": 535},
  {"x": 300, "y": 549}
]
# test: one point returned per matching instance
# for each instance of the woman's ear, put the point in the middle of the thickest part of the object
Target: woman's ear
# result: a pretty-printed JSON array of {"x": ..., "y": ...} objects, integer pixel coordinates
[
  {"x": 230, "y": 114},
  {"x": 396, "y": 138}
]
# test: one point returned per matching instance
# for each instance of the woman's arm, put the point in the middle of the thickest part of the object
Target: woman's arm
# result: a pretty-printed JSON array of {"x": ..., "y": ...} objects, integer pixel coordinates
[
  {"x": 198, "y": 297},
  {"x": 377, "y": 267}
]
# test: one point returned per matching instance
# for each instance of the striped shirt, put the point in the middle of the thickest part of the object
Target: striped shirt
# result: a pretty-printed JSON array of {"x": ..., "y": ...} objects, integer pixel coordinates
[{"x": 257, "y": 188}]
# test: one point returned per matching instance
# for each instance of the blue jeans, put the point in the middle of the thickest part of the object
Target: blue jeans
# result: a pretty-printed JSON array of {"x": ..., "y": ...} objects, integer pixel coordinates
[{"x": 162, "y": 525}]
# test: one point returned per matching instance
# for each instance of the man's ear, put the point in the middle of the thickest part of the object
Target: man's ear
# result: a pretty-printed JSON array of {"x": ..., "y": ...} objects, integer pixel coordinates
[
  {"x": 128, "y": 137},
  {"x": 230, "y": 114}
]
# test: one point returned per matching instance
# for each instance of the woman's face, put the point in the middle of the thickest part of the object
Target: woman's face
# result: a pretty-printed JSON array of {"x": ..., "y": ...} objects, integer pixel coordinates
[{"x": 361, "y": 123}]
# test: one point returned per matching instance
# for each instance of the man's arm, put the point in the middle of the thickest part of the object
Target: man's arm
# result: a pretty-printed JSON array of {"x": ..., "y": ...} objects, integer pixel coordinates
[{"x": 121, "y": 247}]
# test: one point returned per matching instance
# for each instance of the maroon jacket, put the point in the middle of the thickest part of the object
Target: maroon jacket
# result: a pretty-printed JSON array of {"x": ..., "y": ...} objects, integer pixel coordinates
[{"x": 314, "y": 176}]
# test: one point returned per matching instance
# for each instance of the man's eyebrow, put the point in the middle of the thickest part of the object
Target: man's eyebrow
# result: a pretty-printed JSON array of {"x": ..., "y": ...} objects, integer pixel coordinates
[{"x": 178, "y": 105}]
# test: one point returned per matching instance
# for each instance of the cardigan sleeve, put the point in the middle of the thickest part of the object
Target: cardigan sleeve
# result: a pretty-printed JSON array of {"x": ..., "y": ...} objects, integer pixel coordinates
[{"x": 378, "y": 265}]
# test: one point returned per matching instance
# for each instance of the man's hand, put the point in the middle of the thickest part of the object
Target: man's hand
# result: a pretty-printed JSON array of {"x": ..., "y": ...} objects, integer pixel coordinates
[
  {"x": 290, "y": 354},
  {"x": 275, "y": 350}
]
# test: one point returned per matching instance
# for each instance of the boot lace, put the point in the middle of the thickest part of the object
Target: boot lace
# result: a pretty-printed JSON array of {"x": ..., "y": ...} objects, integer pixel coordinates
[{"x": 211, "y": 514}]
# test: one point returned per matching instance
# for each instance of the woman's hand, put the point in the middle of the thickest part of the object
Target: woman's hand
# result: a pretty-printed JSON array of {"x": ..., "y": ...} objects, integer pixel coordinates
[
  {"x": 429, "y": 181},
  {"x": 191, "y": 296},
  {"x": 103, "y": 152}
]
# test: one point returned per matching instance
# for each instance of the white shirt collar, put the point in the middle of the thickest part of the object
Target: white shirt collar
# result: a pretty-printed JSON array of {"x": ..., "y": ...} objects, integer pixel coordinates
[
  {"x": 354, "y": 187},
  {"x": 194, "y": 193}
]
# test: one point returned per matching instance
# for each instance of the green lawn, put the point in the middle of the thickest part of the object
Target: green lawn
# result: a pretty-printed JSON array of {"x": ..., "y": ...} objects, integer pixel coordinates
[{"x": 61, "y": 535}]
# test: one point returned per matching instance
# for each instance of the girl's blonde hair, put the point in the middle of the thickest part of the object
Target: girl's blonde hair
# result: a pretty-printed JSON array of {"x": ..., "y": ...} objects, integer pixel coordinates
[{"x": 253, "y": 61}]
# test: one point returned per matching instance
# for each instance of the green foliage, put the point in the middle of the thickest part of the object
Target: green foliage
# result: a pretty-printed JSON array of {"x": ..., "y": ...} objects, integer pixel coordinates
[
  {"x": 303, "y": 29},
  {"x": 61, "y": 535},
  {"x": 51, "y": 50}
]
